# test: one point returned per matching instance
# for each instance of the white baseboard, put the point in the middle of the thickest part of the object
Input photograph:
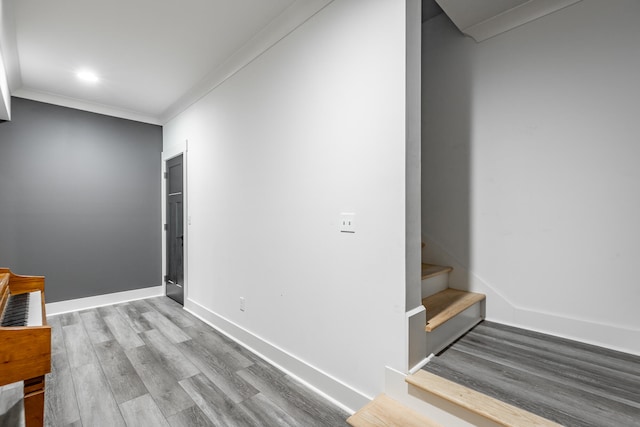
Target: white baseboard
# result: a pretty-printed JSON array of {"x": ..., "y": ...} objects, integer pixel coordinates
[
  {"x": 613, "y": 337},
  {"x": 322, "y": 383},
  {"x": 421, "y": 365},
  {"x": 60, "y": 307},
  {"x": 624, "y": 338}
]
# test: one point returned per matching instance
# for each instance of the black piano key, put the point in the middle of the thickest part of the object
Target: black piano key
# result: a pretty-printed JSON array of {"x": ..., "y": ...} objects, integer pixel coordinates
[
  {"x": 16, "y": 311},
  {"x": 20, "y": 299},
  {"x": 14, "y": 322}
]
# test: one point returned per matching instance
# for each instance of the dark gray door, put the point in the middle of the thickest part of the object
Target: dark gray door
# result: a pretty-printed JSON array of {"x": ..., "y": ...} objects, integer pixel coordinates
[{"x": 175, "y": 230}]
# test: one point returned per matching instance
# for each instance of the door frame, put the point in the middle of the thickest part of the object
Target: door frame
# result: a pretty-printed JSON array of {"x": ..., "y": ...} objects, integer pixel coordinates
[{"x": 168, "y": 154}]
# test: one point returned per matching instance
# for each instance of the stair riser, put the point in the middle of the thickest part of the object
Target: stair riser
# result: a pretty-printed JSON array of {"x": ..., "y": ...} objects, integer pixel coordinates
[
  {"x": 454, "y": 328},
  {"x": 435, "y": 284}
]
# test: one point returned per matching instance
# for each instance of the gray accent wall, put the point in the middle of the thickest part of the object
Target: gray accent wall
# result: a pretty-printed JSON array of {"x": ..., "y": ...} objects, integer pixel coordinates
[{"x": 80, "y": 200}]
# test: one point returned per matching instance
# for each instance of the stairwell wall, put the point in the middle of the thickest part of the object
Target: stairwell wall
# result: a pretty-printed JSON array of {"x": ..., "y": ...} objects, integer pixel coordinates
[
  {"x": 313, "y": 127},
  {"x": 530, "y": 176}
]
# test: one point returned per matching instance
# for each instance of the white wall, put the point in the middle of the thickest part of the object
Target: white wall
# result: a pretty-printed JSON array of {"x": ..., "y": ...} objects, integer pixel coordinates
[
  {"x": 5, "y": 95},
  {"x": 313, "y": 127},
  {"x": 530, "y": 168}
]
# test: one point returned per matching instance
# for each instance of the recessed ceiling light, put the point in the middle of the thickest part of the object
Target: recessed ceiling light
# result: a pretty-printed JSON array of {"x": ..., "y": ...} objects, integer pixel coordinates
[{"x": 87, "y": 76}]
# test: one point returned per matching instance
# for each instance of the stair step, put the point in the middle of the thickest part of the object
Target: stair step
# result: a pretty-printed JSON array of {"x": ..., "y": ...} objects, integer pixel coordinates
[
  {"x": 384, "y": 411},
  {"x": 431, "y": 270},
  {"x": 485, "y": 406},
  {"x": 446, "y": 304}
]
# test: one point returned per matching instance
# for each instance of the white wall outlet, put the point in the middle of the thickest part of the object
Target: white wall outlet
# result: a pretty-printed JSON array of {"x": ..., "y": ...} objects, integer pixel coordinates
[
  {"x": 347, "y": 222},
  {"x": 242, "y": 306}
]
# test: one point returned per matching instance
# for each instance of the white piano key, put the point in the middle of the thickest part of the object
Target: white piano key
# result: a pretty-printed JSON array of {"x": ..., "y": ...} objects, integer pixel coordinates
[{"x": 35, "y": 309}]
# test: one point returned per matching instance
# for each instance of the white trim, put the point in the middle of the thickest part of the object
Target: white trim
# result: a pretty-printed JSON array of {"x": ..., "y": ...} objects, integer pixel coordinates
[
  {"x": 418, "y": 309},
  {"x": 421, "y": 364},
  {"x": 321, "y": 382},
  {"x": 5, "y": 94},
  {"x": 163, "y": 221},
  {"x": 515, "y": 17},
  {"x": 174, "y": 150},
  {"x": 169, "y": 153},
  {"x": 616, "y": 337},
  {"x": 60, "y": 307},
  {"x": 416, "y": 336},
  {"x": 613, "y": 337},
  {"x": 78, "y": 104},
  {"x": 288, "y": 21}
]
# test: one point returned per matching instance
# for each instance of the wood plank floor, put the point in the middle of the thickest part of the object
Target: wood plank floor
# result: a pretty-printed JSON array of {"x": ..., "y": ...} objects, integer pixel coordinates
[
  {"x": 571, "y": 383},
  {"x": 150, "y": 363}
]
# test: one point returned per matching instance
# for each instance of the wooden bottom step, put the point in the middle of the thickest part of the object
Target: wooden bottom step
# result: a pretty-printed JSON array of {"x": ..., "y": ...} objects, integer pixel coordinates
[
  {"x": 446, "y": 304},
  {"x": 383, "y": 411},
  {"x": 470, "y": 400}
]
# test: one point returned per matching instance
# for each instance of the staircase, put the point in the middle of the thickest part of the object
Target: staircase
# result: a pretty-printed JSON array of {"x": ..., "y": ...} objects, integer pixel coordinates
[{"x": 450, "y": 312}]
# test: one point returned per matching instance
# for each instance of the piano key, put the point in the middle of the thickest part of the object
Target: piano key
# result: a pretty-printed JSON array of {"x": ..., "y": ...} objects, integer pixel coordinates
[
  {"x": 35, "y": 309},
  {"x": 23, "y": 310}
]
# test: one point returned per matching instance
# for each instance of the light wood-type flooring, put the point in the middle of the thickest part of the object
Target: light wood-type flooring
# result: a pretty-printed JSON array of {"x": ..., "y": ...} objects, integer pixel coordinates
[
  {"x": 571, "y": 383},
  {"x": 150, "y": 363}
]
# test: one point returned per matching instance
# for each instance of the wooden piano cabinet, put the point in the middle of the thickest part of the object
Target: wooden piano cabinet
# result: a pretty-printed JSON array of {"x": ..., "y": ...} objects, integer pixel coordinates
[
  {"x": 25, "y": 351},
  {"x": 19, "y": 284},
  {"x": 34, "y": 402}
]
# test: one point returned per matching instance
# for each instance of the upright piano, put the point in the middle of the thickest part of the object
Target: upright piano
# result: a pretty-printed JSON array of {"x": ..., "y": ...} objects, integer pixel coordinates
[{"x": 25, "y": 343}]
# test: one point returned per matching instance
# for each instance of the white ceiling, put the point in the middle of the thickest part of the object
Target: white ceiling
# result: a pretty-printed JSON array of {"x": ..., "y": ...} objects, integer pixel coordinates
[
  {"x": 483, "y": 19},
  {"x": 156, "y": 57},
  {"x": 153, "y": 57}
]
